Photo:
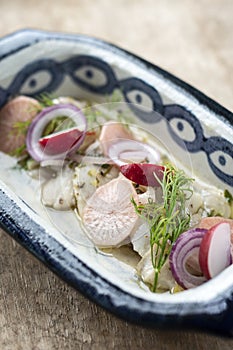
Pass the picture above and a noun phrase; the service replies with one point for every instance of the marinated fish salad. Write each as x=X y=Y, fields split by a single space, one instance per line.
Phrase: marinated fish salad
x=124 y=190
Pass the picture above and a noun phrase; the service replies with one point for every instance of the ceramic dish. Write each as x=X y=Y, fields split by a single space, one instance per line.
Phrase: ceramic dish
x=198 y=130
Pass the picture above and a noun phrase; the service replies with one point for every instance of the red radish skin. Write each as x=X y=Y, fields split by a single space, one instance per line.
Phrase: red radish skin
x=143 y=174
x=111 y=132
x=20 y=109
x=215 y=250
x=209 y=222
x=60 y=142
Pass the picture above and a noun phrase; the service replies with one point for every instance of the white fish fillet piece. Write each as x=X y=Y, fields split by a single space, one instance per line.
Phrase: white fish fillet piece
x=57 y=192
x=140 y=236
x=146 y=271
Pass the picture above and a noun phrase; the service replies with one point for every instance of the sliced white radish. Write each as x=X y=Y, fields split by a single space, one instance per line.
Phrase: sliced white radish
x=21 y=109
x=86 y=179
x=215 y=250
x=209 y=222
x=112 y=132
x=109 y=216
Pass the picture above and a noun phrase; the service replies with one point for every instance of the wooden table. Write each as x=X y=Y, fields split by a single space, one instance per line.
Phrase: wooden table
x=193 y=40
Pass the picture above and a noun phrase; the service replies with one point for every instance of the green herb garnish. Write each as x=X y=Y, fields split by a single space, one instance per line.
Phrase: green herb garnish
x=166 y=220
x=92 y=115
x=20 y=128
x=228 y=196
x=212 y=213
x=105 y=169
x=113 y=109
x=57 y=124
x=46 y=100
x=19 y=151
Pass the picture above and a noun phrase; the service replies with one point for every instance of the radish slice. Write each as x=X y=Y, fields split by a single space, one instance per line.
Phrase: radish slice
x=111 y=132
x=37 y=126
x=215 y=250
x=60 y=142
x=211 y=221
x=186 y=248
x=109 y=216
x=21 y=109
x=131 y=151
x=143 y=174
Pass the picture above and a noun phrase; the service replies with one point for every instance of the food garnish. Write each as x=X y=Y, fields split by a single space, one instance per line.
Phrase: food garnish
x=167 y=220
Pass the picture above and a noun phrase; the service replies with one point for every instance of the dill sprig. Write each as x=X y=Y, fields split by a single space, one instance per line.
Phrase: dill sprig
x=19 y=128
x=167 y=220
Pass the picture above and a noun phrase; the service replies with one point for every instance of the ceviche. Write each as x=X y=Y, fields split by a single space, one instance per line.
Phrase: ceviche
x=124 y=190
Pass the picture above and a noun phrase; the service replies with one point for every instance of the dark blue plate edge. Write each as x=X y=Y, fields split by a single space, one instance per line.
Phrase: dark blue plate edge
x=86 y=280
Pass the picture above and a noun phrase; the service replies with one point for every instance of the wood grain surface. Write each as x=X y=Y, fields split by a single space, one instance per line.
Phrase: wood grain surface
x=193 y=40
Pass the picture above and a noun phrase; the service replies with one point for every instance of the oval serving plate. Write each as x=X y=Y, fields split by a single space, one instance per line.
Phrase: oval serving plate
x=196 y=128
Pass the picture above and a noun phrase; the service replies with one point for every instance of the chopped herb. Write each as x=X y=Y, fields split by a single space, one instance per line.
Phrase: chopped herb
x=20 y=128
x=92 y=115
x=212 y=213
x=72 y=164
x=46 y=100
x=97 y=115
x=116 y=96
x=105 y=168
x=228 y=196
x=19 y=151
x=58 y=124
x=22 y=162
x=166 y=220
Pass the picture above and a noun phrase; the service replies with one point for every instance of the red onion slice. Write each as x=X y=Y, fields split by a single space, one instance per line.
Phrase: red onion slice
x=125 y=151
x=35 y=130
x=187 y=246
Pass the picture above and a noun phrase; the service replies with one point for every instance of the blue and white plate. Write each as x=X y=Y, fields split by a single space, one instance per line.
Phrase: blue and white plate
x=198 y=130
